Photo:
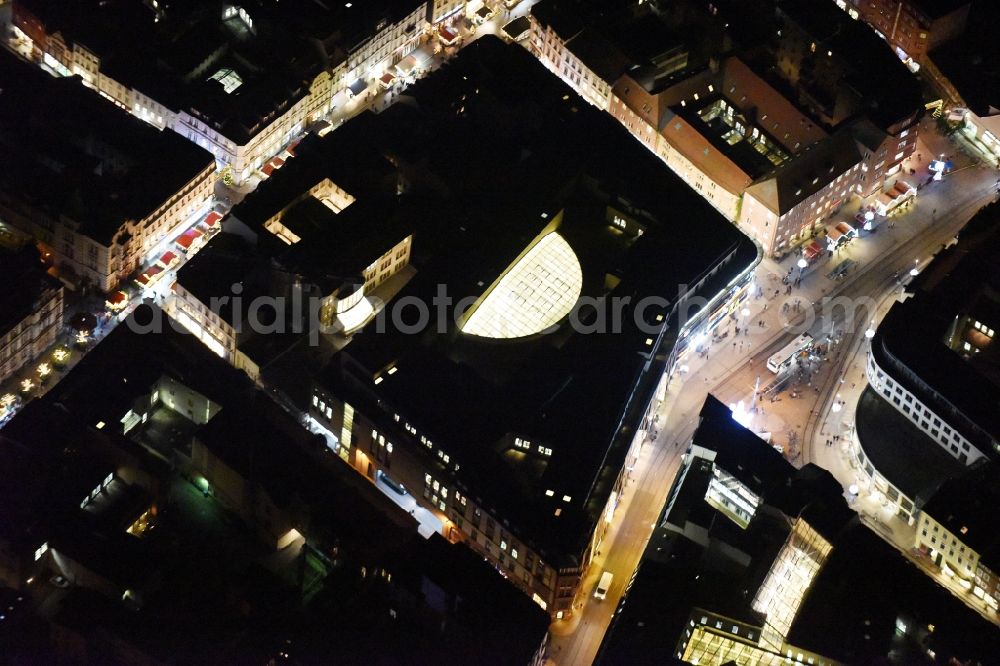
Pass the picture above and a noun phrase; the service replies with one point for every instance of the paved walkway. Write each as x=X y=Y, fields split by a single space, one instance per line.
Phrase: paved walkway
x=730 y=371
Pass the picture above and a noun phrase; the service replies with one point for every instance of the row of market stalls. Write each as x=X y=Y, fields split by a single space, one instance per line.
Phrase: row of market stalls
x=839 y=234
x=189 y=242
x=900 y=193
x=408 y=67
x=279 y=160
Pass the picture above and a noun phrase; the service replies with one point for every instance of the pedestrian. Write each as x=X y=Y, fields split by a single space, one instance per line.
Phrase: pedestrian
x=765 y=307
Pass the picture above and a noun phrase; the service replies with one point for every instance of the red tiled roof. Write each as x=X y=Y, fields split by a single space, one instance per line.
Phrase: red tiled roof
x=267 y=169
x=388 y=78
x=213 y=218
x=118 y=298
x=446 y=34
x=168 y=258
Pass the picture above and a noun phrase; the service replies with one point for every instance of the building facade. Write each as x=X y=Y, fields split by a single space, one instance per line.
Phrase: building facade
x=239 y=153
x=387 y=446
x=789 y=207
x=32 y=309
x=911 y=27
x=956 y=531
x=940 y=427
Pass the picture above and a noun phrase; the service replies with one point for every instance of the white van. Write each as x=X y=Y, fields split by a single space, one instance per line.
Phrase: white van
x=604 y=585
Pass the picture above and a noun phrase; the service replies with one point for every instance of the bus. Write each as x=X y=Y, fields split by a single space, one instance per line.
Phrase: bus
x=782 y=360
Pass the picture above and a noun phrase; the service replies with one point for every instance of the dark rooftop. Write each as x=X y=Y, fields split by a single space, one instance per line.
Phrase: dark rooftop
x=95 y=166
x=901 y=452
x=43 y=477
x=937 y=8
x=173 y=58
x=515 y=122
x=745 y=156
x=913 y=334
x=227 y=260
x=722 y=573
x=967 y=507
x=972 y=62
x=611 y=38
x=850 y=615
x=887 y=90
x=802 y=176
x=23 y=282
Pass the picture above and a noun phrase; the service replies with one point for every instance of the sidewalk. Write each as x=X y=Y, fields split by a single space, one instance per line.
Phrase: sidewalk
x=64 y=338
x=723 y=356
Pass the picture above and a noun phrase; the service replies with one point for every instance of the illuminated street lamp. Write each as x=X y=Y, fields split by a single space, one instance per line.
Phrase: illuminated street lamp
x=802 y=264
x=740 y=414
x=870 y=333
x=836 y=405
x=914 y=271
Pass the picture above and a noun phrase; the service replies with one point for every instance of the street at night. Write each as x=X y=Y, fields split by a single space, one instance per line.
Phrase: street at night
x=528 y=332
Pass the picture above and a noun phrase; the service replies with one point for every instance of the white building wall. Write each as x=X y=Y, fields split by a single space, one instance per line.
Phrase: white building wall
x=552 y=52
x=936 y=427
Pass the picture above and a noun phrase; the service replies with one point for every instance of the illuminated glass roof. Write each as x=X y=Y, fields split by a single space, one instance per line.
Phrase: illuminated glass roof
x=229 y=79
x=535 y=293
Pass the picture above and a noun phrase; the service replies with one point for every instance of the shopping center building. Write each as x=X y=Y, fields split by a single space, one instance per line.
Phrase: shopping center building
x=516 y=418
x=932 y=364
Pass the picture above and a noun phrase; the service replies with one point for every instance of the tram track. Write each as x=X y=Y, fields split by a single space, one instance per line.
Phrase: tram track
x=868 y=281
